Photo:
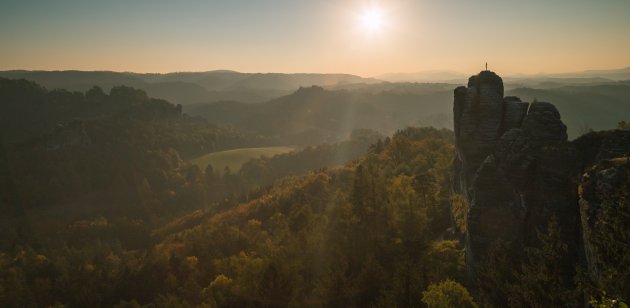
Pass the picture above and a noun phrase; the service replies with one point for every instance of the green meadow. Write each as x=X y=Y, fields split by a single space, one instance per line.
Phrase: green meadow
x=237 y=157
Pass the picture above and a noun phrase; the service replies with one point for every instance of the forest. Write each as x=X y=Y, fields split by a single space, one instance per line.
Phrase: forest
x=101 y=208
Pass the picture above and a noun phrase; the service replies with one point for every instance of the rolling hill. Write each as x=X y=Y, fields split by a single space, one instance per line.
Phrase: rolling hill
x=315 y=115
x=189 y=87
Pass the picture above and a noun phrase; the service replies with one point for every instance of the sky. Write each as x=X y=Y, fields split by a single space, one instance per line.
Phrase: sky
x=315 y=36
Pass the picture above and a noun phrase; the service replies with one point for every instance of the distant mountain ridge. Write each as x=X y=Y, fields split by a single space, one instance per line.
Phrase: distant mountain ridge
x=426 y=76
x=314 y=115
x=449 y=76
x=190 y=87
x=226 y=85
x=613 y=74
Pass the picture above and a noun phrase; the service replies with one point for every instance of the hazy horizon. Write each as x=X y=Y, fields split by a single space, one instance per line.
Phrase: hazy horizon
x=365 y=38
x=427 y=72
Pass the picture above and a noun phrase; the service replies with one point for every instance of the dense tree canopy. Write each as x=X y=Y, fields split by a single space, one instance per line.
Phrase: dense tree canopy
x=367 y=233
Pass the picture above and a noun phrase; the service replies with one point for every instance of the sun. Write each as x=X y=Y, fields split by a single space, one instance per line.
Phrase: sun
x=372 y=19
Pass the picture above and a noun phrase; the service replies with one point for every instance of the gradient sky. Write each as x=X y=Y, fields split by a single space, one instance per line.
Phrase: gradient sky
x=315 y=35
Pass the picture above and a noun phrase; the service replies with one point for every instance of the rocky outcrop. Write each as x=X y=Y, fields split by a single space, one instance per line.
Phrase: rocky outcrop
x=605 y=211
x=512 y=162
x=516 y=171
x=478 y=117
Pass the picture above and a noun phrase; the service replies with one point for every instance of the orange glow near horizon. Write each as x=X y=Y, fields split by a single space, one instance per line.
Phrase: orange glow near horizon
x=362 y=37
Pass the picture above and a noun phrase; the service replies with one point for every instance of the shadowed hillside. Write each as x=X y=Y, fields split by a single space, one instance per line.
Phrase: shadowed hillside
x=313 y=115
x=60 y=146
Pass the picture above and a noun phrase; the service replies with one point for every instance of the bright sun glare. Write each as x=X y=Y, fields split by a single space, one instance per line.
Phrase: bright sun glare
x=372 y=19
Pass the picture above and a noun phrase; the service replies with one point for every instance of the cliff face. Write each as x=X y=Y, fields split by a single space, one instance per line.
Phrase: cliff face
x=511 y=165
x=517 y=171
x=605 y=209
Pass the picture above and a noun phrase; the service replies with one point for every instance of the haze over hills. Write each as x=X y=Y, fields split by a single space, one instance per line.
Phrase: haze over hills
x=189 y=87
x=596 y=107
x=589 y=99
x=426 y=76
x=225 y=85
x=313 y=115
x=449 y=76
x=612 y=74
x=590 y=77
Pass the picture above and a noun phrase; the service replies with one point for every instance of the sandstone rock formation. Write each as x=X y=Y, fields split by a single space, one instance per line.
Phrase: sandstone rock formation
x=512 y=165
x=517 y=171
x=605 y=210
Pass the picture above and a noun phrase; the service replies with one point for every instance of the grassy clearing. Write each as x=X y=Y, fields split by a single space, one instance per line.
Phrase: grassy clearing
x=237 y=157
